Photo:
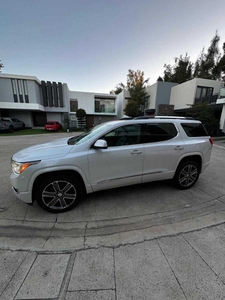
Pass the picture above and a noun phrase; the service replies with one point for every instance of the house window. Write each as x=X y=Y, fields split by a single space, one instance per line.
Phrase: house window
x=104 y=105
x=73 y=105
x=203 y=94
x=20 y=90
x=222 y=93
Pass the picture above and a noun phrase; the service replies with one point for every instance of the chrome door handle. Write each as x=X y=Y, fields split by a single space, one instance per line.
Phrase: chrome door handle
x=136 y=152
x=179 y=148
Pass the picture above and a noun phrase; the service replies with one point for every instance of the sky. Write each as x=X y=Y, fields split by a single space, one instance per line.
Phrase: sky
x=91 y=44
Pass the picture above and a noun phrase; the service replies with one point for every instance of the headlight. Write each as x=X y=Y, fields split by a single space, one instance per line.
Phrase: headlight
x=18 y=168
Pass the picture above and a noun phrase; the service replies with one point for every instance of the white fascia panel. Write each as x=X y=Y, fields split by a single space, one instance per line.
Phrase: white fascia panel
x=25 y=77
x=23 y=106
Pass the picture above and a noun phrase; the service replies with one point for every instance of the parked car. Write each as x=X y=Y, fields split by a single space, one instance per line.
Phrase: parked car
x=11 y=124
x=53 y=126
x=111 y=155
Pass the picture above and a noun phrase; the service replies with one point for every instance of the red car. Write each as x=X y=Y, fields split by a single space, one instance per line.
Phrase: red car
x=53 y=126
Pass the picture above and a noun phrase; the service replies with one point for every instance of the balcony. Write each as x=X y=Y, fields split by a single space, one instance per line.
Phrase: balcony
x=208 y=99
x=104 y=106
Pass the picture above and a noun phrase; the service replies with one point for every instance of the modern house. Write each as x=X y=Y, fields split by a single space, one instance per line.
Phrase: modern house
x=35 y=102
x=198 y=90
x=158 y=93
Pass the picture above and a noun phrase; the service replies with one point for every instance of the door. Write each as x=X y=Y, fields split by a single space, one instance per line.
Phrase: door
x=121 y=163
x=163 y=148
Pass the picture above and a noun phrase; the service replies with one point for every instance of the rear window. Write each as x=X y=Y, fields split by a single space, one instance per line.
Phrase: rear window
x=157 y=132
x=194 y=129
x=50 y=123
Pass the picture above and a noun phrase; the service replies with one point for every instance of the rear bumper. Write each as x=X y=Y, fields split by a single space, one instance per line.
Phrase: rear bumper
x=204 y=167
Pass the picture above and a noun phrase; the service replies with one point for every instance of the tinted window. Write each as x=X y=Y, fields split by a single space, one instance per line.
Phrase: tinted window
x=124 y=135
x=194 y=129
x=157 y=132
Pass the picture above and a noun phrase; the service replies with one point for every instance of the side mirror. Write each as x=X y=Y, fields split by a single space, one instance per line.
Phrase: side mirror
x=100 y=144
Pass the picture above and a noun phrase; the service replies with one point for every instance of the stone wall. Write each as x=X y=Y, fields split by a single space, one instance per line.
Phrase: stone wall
x=165 y=110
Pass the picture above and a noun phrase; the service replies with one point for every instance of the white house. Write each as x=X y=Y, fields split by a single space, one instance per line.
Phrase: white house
x=194 y=91
x=35 y=102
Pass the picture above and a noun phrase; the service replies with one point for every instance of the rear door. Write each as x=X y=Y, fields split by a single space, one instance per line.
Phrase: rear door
x=163 y=148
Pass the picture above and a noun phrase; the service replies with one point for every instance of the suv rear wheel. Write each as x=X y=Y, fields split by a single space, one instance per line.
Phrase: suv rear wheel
x=187 y=175
x=58 y=193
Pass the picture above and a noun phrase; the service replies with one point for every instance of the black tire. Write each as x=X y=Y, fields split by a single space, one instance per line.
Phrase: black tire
x=11 y=129
x=23 y=126
x=59 y=193
x=186 y=175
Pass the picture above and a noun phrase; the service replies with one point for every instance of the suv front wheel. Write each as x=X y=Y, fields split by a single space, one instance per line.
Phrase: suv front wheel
x=58 y=193
x=187 y=175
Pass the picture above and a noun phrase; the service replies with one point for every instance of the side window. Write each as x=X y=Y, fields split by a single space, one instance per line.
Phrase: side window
x=194 y=129
x=124 y=135
x=157 y=132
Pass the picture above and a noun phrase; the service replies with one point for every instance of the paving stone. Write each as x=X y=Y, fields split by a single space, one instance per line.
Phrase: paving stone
x=19 y=277
x=210 y=245
x=10 y=261
x=45 y=277
x=196 y=278
x=142 y=272
x=91 y=295
x=93 y=270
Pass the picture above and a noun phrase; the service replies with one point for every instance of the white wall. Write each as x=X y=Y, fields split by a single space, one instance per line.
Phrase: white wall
x=152 y=91
x=54 y=117
x=184 y=94
x=87 y=101
x=222 y=118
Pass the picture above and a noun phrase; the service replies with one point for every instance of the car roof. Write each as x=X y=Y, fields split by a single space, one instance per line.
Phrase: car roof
x=155 y=120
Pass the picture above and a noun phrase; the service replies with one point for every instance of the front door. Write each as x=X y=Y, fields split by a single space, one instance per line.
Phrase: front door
x=121 y=163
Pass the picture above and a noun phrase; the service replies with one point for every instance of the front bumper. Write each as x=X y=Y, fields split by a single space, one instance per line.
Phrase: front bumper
x=24 y=196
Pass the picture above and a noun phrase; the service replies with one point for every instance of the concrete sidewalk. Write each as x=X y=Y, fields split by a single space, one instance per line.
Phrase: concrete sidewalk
x=184 y=266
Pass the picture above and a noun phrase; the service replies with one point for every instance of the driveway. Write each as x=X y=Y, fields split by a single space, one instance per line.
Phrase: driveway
x=110 y=218
x=150 y=241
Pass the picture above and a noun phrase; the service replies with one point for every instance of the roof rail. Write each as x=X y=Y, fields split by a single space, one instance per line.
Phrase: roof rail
x=173 y=117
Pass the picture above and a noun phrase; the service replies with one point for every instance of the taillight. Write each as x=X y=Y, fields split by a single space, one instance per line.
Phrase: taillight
x=211 y=141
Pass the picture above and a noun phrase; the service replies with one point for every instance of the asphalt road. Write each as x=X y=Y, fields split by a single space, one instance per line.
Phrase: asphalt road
x=149 y=241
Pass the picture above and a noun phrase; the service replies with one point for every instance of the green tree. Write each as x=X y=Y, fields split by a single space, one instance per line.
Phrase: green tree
x=180 y=72
x=1 y=66
x=206 y=66
x=118 y=88
x=80 y=113
x=221 y=65
x=136 y=85
x=204 y=113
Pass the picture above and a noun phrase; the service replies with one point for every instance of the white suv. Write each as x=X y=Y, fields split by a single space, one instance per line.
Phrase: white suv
x=111 y=155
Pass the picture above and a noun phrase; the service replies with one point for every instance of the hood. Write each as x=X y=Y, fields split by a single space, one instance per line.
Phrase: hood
x=55 y=149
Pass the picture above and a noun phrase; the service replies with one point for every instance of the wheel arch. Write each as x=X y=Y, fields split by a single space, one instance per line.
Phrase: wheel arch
x=196 y=158
x=43 y=176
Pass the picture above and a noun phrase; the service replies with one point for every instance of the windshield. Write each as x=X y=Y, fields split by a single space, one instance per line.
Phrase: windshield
x=85 y=136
